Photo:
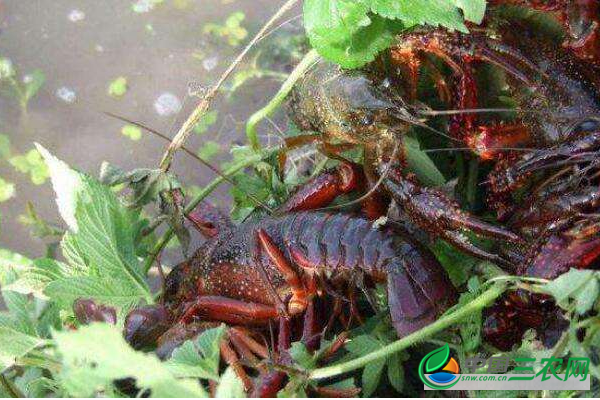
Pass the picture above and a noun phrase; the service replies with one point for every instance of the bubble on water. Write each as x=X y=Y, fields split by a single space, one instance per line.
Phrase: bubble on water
x=167 y=104
x=66 y=94
x=99 y=48
x=76 y=15
x=210 y=63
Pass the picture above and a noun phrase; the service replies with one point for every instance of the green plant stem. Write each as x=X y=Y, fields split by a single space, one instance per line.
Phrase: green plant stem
x=208 y=189
x=251 y=126
x=466 y=311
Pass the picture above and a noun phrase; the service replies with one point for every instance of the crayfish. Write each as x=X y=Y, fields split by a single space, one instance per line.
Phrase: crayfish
x=552 y=145
x=272 y=268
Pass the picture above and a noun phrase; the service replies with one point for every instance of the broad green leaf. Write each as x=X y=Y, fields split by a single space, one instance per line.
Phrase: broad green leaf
x=132 y=132
x=198 y=358
x=343 y=32
x=118 y=87
x=96 y=355
x=15 y=344
x=230 y=386
x=100 y=245
x=437 y=358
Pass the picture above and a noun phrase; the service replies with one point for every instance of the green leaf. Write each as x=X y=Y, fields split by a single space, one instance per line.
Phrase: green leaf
x=198 y=358
x=207 y=120
x=132 y=132
x=579 y=285
x=371 y=376
x=343 y=31
x=437 y=358
x=473 y=10
x=230 y=386
x=118 y=87
x=7 y=190
x=14 y=344
x=395 y=371
x=94 y=356
x=421 y=12
x=33 y=83
x=420 y=163
x=100 y=241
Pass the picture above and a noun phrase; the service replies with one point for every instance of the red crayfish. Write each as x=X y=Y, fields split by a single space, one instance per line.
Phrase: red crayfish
x=271 y=268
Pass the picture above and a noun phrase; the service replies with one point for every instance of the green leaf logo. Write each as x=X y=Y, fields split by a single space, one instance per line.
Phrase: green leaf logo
x=432 y=362
x=437 y=359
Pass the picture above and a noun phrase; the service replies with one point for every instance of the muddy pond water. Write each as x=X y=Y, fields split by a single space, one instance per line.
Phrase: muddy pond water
x=81 y=47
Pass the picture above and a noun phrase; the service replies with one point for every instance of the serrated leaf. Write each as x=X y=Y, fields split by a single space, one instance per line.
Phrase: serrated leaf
x=94 y=356
x=198 y=358
x=36 y=277
x=359 y=48
x=421 y=12
x=100 y=242
x=230 y=386
x=437 y=358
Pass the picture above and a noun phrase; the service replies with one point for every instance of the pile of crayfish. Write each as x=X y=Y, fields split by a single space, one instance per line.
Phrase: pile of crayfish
x=281 y=271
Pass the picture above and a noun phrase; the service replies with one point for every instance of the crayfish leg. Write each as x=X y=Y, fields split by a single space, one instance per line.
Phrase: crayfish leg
x=435 y=213
x=299 y=300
